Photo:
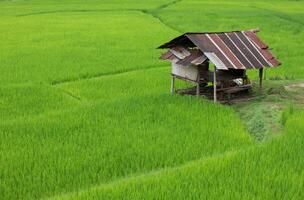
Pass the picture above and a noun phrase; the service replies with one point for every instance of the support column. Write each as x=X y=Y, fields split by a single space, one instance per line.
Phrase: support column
x=198 y=83
x=172 y=84
x=261 y=77
x=198 y=89
x=214 y=85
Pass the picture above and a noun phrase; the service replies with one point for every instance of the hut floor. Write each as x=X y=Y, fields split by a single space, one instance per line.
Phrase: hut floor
x=230 y=96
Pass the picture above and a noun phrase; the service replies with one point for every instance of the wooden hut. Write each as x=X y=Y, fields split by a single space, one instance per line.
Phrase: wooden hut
x=231 y=53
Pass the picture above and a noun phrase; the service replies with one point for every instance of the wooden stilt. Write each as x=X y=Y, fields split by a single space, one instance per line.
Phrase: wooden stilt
x=214 y=85
x=198 y=89
x=198 y=85
x=172 y=84
x=261 y=77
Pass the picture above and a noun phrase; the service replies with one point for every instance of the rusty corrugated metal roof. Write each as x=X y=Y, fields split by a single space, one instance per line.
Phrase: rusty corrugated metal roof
x=179 y=52
x=167 y=56
x=236 y=50
x=184 y=57
x=196 y=57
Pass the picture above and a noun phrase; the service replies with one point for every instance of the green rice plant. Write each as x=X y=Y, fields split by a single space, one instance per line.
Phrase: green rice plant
x=134 y=84
x=287 y=113
x=85 y=110
x=271 y=171
x=36 y=7
x=55 y=48
x=118 y=126
x=103 y=142
x=23 y=101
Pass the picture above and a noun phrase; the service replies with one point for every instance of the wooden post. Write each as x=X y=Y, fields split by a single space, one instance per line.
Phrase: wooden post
x=214 y=84
x=198 y=89
x=198 y=84
x=172 y=84
x=261 y=77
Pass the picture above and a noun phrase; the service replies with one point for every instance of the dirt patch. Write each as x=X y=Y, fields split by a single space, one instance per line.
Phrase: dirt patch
x=294 y=86
x=296 y=92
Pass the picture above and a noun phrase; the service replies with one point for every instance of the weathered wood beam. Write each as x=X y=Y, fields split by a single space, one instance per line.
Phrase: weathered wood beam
x=184 y=79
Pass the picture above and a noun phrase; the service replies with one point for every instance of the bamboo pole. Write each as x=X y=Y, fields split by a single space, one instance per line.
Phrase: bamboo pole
x=214 y=85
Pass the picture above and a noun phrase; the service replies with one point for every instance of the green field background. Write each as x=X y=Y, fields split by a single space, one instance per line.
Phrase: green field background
x=85 y=109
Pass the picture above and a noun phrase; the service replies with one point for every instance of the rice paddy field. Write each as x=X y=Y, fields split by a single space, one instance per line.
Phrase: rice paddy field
x=86 y=110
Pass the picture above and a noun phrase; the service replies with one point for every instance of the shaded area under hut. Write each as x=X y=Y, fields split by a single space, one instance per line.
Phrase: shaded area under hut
x=231 y=53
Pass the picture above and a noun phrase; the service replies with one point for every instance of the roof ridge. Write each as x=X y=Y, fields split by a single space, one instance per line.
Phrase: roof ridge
x=215 y=32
